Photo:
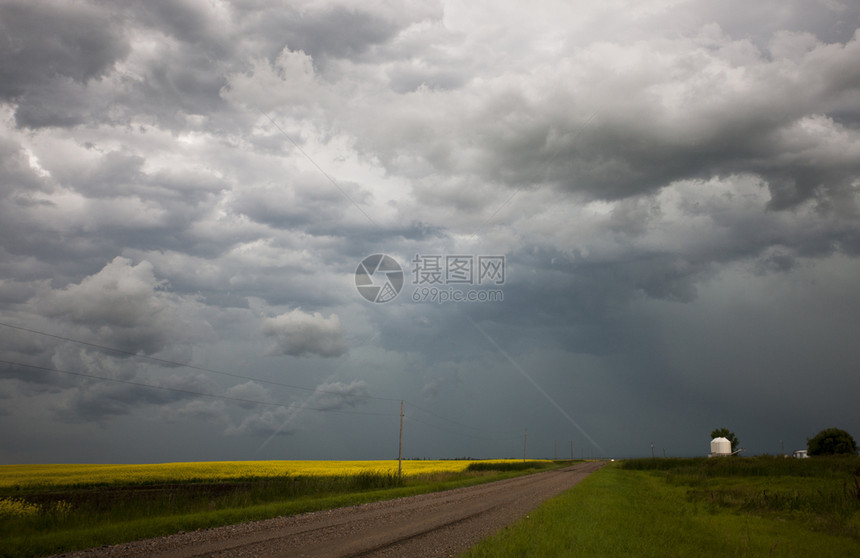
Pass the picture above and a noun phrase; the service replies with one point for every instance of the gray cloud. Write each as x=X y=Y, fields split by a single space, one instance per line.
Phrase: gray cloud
x=287 y=420
x=333 y=396
x=267 y=422
x=298 y=333
x=621 y=120
x=124 y=303
x=102 y=402
x=51 y=46
x=674 y=186
x=339 y=32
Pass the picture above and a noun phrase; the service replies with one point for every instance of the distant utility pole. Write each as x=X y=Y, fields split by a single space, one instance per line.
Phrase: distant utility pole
x=652 y=450
x=571 y=450
x=400 y=445
x=525 y=443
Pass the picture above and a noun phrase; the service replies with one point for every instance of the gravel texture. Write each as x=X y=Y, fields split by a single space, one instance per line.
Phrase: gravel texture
x=437 y=524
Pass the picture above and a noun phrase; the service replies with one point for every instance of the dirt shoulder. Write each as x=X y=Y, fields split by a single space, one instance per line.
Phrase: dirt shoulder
x=437 y=524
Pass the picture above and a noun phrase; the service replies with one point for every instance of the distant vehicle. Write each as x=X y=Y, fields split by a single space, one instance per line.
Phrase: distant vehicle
x=800 y=454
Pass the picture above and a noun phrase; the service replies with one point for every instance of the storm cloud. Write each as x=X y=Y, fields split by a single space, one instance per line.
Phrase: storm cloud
x=297 y=333
x=187 y=189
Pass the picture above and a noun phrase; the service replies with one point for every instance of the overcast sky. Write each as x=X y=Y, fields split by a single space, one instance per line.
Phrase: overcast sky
x=187 y=189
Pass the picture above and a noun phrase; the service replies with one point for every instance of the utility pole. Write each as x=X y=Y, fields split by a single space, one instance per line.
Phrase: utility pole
x=400 y=445
x=525 y=443
x=652 y=450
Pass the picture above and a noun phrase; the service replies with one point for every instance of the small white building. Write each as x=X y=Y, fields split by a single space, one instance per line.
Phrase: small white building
x=720 y=447
x=800 y=454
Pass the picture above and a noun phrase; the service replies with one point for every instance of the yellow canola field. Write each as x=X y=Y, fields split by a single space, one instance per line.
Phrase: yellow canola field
x=212 y=471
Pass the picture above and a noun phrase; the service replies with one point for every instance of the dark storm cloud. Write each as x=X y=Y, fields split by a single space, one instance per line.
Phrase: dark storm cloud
x=339 y=32
x=339 y=395
x=122 y=307
x=327 y=32
x=632 y=146
x=103 y=401
x=183 y=20
x=615 y=121
x=47 y=40
x=56 y=53
x=198 y=181
x=49 y=47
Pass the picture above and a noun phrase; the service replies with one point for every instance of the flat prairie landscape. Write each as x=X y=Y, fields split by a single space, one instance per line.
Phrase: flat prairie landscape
x=61 y=507
x=95 y=474
x=756 y=506
x=759 y=506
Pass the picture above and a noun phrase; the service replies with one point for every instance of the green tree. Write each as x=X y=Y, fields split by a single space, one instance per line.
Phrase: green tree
x=728 y=435
x=831 y=441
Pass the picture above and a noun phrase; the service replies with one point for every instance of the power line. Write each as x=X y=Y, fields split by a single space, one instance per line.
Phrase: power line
x=480 y=432
x=10 y=364
x=180 y=364
x=186 y=391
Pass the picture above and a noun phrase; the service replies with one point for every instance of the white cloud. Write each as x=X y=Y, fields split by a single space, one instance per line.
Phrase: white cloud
x=123 y=304
x=298 y=333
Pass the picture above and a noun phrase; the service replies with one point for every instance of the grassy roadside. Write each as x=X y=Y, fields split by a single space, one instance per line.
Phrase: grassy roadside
x=684 y=509
x=45 y=520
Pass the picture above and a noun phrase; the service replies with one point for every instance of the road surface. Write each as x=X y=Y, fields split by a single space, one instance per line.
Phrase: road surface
x=437 y=524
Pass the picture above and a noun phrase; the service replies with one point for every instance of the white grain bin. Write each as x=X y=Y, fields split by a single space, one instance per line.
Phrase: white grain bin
x=720 y=447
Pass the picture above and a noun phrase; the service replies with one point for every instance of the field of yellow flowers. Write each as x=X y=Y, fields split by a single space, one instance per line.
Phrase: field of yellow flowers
x=22 y=476
x=47 y=509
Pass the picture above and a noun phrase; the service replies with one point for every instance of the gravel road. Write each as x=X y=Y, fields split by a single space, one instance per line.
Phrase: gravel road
x=437 y=524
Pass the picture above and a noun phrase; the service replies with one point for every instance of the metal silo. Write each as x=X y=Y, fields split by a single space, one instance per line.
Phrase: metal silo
x=720 y=447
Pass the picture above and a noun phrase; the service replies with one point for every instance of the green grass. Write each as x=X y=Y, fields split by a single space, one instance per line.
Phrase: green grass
x=726 y=507
x=37 y=520
x=769 y=466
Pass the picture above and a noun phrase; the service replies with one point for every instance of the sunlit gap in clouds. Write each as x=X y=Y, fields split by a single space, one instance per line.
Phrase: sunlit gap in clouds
x=537 y=386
